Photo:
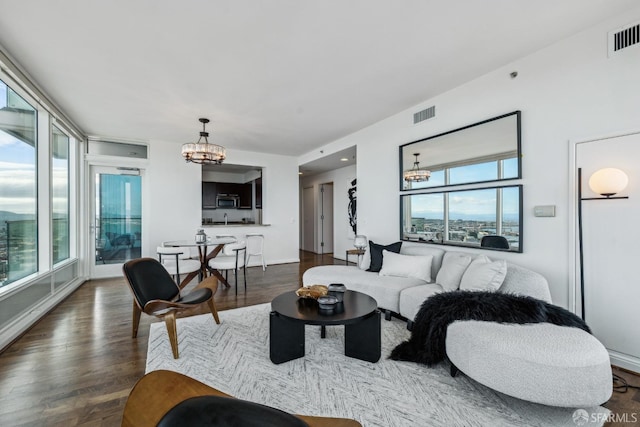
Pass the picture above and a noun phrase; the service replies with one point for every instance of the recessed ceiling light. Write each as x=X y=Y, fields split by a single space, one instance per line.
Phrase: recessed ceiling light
x=344 y=159
x=299 y=173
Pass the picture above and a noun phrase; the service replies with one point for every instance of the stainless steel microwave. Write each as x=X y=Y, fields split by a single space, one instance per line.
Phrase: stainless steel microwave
x=228 y=201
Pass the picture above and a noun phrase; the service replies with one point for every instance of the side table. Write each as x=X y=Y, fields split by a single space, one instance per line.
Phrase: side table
x=358 y=252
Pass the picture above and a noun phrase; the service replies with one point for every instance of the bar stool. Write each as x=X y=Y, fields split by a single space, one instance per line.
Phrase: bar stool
x=255 y=247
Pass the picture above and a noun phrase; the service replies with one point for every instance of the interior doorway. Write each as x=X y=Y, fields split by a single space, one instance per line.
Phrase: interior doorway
x=327 y=190
x=325 y=197
x=308 y=220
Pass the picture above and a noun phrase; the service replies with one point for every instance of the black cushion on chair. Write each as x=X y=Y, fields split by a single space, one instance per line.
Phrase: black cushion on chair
x=209 y=411
x=196 y=296
x=375 y=251
x=150 y=280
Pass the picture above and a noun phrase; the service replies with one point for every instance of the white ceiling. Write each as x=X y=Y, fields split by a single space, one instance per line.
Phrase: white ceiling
x=339 y=159
x=278 y=76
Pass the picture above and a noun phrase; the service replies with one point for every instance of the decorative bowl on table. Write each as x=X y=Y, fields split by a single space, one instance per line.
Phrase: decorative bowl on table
x=313 y=291
x=327 y=302
x=337 y=290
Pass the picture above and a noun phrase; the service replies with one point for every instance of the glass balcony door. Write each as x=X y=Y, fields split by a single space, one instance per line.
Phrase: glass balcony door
x=116 y=219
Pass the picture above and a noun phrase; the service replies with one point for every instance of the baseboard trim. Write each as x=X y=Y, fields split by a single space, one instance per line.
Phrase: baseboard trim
x=625 y=361
x=274 y=261
x=14 y=330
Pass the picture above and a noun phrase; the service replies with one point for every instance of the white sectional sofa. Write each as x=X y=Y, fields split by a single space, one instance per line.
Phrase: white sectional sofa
x=543 y=363
x=404 y=295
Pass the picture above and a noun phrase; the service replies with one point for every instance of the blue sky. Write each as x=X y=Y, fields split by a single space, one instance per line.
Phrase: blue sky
x=17 y=170
x=18 y=173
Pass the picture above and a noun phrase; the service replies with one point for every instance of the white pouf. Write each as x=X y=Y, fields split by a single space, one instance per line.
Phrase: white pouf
x=539 y=362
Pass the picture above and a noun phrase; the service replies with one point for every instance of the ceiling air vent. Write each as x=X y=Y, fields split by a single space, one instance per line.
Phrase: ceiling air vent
x=623 y=38
x=425 y=114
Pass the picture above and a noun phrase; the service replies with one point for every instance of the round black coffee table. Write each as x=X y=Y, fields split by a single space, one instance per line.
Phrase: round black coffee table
x=358 y=313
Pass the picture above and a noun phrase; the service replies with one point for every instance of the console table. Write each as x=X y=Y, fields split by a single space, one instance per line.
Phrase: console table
x=358 y=252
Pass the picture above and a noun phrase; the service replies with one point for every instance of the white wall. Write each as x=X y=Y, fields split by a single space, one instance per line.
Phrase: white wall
x=610 y=236
x=341 y=178
x=568 y=91
x=174 y=192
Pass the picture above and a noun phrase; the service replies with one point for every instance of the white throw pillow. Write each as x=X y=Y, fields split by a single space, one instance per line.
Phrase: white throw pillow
x=454 y=264
x=415 y=266
x=365 y=262
x=484 y=274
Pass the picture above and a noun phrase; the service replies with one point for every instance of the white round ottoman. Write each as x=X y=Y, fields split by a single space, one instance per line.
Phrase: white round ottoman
x=539 y=362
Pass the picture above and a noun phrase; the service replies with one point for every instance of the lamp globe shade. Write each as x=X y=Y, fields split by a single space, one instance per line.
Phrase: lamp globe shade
x=608 y=181
x=360 y=241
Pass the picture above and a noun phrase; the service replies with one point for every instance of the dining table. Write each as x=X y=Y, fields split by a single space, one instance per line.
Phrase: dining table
x=204 y=256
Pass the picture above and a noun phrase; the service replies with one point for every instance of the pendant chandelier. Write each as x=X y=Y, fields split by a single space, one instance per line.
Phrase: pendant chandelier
x=416 y=174
x=203 y=152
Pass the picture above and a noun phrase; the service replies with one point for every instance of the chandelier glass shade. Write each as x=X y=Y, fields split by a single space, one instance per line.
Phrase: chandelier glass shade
x=416 y=174
x=202 y=152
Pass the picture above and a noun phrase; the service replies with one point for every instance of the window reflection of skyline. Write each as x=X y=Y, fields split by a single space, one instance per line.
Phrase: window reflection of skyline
x=478 y=172
x=466 y=204
x=472 y=214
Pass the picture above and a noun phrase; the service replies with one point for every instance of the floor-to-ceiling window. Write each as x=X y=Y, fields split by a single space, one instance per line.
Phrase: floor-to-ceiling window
x=18 y=186
x=39 y=190
x=59 y=195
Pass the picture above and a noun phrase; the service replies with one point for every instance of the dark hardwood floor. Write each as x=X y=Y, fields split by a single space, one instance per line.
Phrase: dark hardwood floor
x=77 y=365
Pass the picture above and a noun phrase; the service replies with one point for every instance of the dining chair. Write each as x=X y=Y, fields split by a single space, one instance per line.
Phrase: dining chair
x=495 y=242
x=233 y=257
x=156 y=294
x=177 y=261
x=255 y=247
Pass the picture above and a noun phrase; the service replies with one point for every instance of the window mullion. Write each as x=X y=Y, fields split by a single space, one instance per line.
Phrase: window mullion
x=44 y=191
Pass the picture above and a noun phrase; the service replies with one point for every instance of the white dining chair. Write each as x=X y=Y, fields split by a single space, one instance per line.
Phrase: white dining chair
x=255 y=247
x=177 y=261
x=233 y=257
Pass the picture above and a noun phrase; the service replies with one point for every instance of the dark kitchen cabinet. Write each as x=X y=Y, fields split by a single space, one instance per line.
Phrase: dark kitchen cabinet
x=226 y=188
x=209 y=193
x=259 y=193
x=210 y=190
x=244 y=191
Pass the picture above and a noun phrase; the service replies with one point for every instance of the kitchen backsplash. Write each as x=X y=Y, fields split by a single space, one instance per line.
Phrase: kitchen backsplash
x=210 y=216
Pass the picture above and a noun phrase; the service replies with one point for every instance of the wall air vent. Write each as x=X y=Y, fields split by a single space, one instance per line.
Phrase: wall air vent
x=623 y=38
x=425 y=114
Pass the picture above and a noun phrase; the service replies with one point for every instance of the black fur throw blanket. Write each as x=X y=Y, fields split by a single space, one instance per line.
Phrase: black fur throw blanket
x=429 y=332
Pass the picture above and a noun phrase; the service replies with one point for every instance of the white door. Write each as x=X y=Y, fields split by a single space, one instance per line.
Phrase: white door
x=326 y=219
x=610 y=240
x=308 y=215
x=116 y=219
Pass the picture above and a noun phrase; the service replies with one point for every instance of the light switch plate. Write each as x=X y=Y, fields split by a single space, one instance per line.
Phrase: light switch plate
x=544 y=211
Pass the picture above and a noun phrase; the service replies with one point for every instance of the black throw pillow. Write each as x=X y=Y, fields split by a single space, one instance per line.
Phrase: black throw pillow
x=375 y=251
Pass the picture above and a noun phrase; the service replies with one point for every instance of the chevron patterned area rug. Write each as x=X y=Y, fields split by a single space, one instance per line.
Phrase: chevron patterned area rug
x=234 y=358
